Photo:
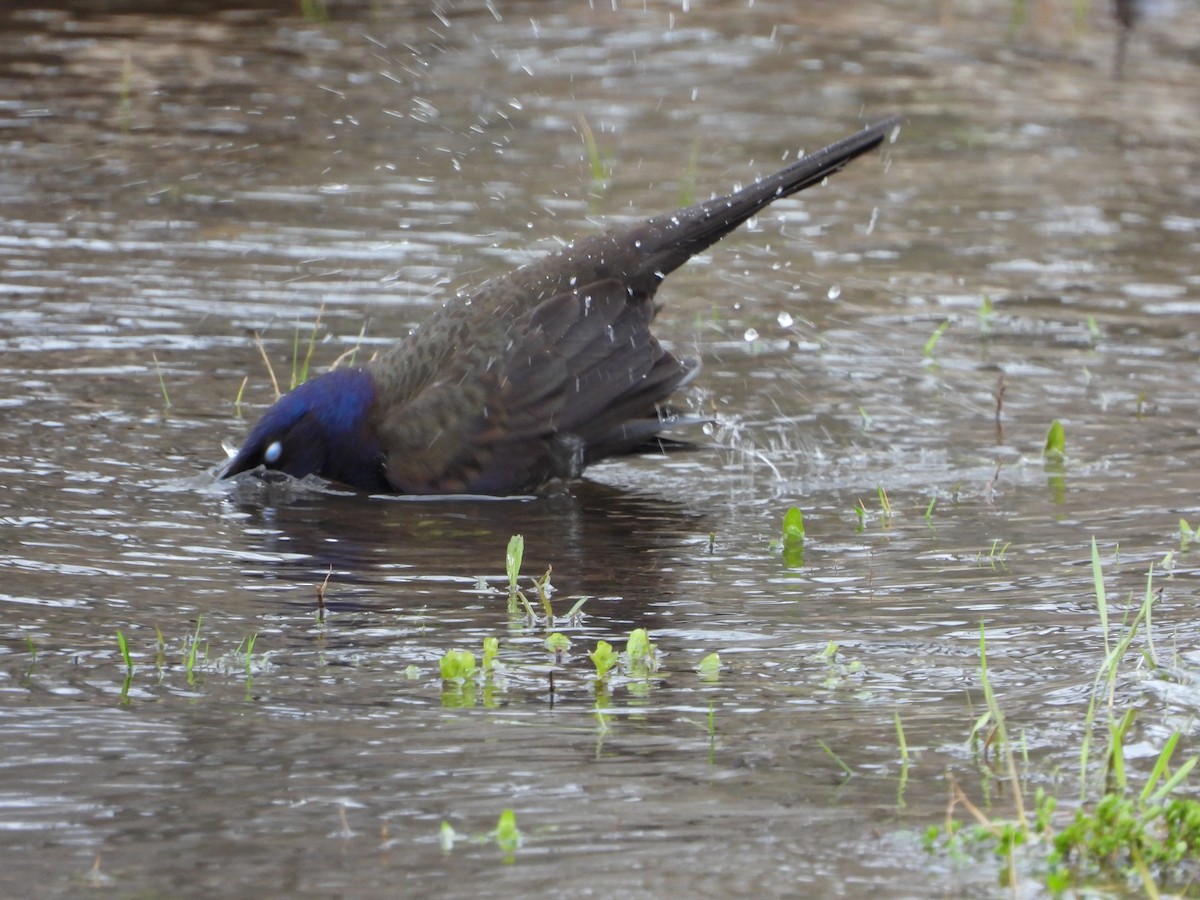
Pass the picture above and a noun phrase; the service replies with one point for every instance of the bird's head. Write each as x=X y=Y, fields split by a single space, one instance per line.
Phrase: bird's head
x=320 y=428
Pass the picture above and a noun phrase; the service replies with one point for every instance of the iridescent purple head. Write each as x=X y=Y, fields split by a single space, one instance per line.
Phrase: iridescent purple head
x=323 y=427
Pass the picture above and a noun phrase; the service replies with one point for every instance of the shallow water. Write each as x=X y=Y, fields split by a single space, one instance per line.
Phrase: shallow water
x=174 y=185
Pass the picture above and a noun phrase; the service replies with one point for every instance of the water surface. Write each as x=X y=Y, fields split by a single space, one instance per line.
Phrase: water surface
x=175 y=185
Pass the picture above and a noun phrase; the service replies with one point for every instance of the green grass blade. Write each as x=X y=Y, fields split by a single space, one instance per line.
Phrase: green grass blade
x=1161 y=765
x=934 y=338
x=1101 y=599
x=837 y=759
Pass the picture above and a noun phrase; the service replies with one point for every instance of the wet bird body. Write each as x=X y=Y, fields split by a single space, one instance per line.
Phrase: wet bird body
x=532 y=376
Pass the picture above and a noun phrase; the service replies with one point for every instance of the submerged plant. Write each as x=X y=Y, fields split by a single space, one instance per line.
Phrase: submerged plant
x=710 y=666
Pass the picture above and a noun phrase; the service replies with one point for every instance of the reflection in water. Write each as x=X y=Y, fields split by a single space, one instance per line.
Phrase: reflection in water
x=601 y=542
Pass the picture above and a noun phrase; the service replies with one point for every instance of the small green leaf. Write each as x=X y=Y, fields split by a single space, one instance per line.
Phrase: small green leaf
x=639 y=646
x=457 y=665
x=412 y=673
x=860 y=514
x=710 y=666
x=123 y=645
x=828 y=654
x=508 y=836
x=576 y=608
x=603 y=657
x=491 y=647
x=512 y=559
x=639 y=653
x=793 y=525
x=1056 y=441
x=557 y=642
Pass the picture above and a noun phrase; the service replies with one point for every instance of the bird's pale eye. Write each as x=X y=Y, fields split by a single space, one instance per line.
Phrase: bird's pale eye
x=273 y=452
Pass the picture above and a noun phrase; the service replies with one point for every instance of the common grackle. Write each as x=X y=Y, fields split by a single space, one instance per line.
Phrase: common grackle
x=529 y=378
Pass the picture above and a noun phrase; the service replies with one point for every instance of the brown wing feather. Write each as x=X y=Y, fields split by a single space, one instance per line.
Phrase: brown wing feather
x=572 y=370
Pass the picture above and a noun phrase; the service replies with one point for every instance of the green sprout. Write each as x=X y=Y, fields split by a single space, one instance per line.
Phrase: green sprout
x=162 y=384
x=123 y=645
x=491 y=648
x=1187 y=534
x=457 y=665
x=557 y=643
x=860 y=515
x=512 y=560
x=193 y=648
x=508 y=836
x=934 y=338
x=601 y=166
x=792 y=539
x=903 y=761
x=793 y=525
x=1056 y=441
x=640 y=653
x=604 y=658
x=300 y=369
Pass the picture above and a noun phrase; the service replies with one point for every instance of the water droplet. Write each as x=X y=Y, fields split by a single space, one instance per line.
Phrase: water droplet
x=751 y=334
x=835 y=291
x=785 y=320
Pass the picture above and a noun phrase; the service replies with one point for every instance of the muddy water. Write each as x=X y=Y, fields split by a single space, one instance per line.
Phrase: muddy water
x=173 y=185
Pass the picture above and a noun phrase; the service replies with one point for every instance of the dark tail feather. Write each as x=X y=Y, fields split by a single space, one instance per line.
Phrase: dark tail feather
x=689 y=231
